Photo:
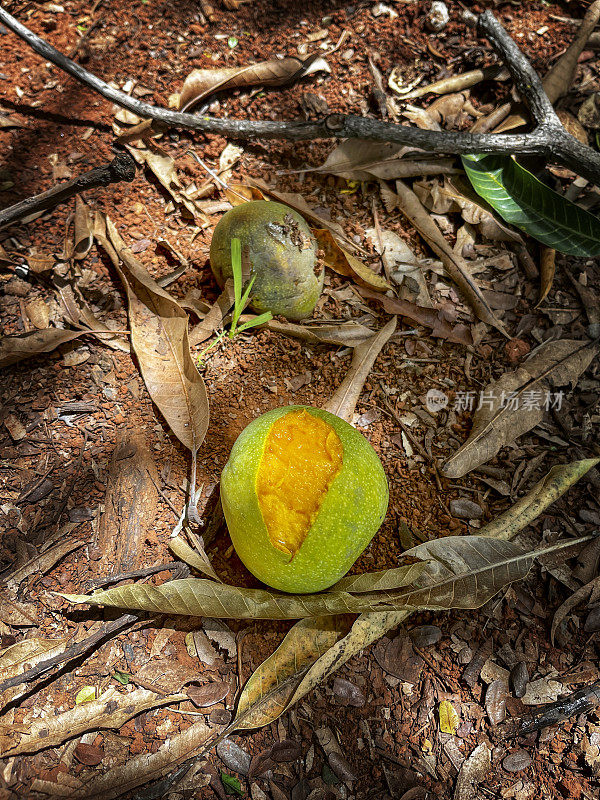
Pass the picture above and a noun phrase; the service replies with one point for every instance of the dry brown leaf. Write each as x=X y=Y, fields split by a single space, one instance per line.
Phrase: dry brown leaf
x=458 y=270
x=42 y=563
x=195 y=558
x=267 y=692
x=456 y=83
x=110 y=711
x=27 y=345
x=346 y=334
x=429 y=317
x=506 y=415
x=461 y=572
x=560 y=478
x=547 y=270
x=159 y=338
x=163 y=166
x=343 y=262
x=215 y=316
x=82 y=234
x=201 y=83
x=145 y=767
x=363 y=160
x=473 y=771
x=343 y=402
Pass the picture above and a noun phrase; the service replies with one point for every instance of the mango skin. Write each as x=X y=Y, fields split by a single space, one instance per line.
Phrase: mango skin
x=349 y=517
x=282 y=253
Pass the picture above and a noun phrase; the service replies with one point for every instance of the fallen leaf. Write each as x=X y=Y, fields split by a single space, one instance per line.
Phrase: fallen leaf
x=343 y=401
x=110 y=711
x=85 y=695
x=208 y=694
x=201 y=83
x=572 y=602
x=547 y=270
x=363 y=160
x=159 y=337
x=163 y=166
x=27 y=345
x=473 y=771
x=449 y=719
x=461 y=572
x=268 y=690
x=88 y=754
x=343 y=262
x=515 y=402
x=560 y=478
x=215 y=316
x=195 y=558
x=431 y=318
x=346 y=334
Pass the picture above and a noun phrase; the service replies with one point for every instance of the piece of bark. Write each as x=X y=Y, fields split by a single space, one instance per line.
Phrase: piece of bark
x=130 y=506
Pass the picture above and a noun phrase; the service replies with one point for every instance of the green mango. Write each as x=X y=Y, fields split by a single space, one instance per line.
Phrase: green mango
x=323 y=457
x=280 y=252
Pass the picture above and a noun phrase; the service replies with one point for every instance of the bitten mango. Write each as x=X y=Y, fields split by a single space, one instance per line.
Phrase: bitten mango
x=303 y=494
x=280 y=252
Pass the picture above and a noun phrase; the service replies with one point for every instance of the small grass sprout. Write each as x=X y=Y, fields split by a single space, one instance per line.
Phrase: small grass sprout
x=241 y=297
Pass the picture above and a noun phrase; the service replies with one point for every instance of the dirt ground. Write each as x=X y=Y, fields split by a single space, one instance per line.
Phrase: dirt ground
x=54 y=469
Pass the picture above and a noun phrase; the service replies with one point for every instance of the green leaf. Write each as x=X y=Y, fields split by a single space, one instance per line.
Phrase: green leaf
x=231 y=785
x=122 y=677
x=524 y=201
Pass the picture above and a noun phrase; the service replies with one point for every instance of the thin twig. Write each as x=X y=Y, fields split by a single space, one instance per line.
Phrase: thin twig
x=176 y=567
x=121 y=168
x=73 y=651
x=548 y=139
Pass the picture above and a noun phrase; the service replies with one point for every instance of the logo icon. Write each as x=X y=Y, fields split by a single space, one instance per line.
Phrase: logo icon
x=436 y=400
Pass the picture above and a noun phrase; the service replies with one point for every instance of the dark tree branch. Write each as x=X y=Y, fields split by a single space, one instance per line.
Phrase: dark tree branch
x=548 y=139
x=525 y=77
x=121 y=168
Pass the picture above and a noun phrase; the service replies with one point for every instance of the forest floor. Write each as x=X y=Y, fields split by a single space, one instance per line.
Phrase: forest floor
x=64 y=412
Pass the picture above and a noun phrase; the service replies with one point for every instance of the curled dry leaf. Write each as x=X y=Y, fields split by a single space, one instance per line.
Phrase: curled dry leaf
x=343 y=401
x=346 y=334
x=457 y=269
x=342 y=261
x=267 y=692
x=363 y=160
x=215 y=316
x=208 y=693
x=201 y=83
x=159 y=337
x=146 y=768
x=457 y=83
x=164 y=168
x=590 y=590
x=516 y=401
x=429 y=317
x=110 y=711
x=195 y=558
x=27 y=345
x=550 y=488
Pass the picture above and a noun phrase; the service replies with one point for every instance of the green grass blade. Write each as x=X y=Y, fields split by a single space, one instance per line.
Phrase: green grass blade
x=525 y=202
x=236 y=267
x=251 y=323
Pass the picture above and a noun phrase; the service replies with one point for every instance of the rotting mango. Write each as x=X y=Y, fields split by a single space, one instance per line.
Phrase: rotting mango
x=280 y=252
x=303 y=494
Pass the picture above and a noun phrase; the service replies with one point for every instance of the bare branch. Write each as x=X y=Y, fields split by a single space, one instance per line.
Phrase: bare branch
x=548 y=139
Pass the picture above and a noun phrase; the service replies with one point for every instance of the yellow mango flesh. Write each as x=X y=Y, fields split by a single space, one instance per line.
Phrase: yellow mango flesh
x=303 y=494
x=302 y=456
